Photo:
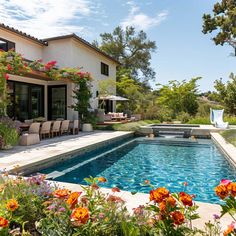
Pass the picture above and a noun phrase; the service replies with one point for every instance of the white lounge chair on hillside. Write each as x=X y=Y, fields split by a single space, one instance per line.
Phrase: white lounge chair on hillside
x=216 y=117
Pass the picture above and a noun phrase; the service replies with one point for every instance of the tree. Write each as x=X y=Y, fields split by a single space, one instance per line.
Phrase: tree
x=179 y=96
x=129 y=88
x=82 y=95
x=227 y=93
x=223 y=22
x=132 y=49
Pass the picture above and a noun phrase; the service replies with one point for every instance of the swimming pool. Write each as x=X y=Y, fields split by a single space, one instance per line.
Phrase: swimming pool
x=165 y=162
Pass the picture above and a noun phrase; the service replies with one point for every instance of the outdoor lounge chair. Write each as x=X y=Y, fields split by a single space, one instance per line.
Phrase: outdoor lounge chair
x=216 y=118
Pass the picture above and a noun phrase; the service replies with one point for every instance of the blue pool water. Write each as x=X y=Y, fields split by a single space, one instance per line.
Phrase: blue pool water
x=166 y=163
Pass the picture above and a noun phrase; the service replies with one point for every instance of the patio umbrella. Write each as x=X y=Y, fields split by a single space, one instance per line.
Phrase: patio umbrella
x=114 y=98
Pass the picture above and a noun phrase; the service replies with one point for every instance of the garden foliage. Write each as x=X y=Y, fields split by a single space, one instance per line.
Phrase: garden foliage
x=34 y=206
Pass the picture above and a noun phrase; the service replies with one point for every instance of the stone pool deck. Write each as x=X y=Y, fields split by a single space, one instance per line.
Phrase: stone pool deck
x=29 y=158
x=228 y=149
x=205 y=210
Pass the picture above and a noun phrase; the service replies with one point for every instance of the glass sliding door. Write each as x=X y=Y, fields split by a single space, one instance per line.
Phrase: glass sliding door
x=27 y=100
x=57 y=103
x=22 y=111
x=37 y=101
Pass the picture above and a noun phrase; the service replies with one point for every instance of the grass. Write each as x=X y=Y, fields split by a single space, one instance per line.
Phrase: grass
x=132 y=126
x=230 y=136
x=206 y=120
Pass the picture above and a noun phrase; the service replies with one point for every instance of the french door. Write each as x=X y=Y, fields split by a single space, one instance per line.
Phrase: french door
x=57 y=102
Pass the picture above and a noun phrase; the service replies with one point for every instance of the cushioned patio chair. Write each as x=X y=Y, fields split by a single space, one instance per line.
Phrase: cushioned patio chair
x=34 y=128
x=65 y=127
x=216 y=118
x=45 y=129
x=74 y=127
x=32 y=137
x=56 y=128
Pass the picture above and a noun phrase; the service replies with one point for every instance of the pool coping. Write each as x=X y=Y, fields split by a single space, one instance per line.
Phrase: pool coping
x=228 y=149
x=31 y=166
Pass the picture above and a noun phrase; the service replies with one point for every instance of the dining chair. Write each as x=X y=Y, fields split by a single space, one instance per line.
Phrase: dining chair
x=64 y=127
x=34 y=128
x=56 y=128
x=45 y=129
x=74 y=127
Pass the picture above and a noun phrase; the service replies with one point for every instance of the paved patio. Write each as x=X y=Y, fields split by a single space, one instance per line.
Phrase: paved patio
x=28 y=157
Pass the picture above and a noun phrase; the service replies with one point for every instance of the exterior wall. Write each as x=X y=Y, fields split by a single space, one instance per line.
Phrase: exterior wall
x=72 y=53
x=29 y=49
x=68 y=53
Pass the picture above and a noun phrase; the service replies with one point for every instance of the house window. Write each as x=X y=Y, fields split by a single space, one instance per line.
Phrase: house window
x=6 y=45
x=104 y=69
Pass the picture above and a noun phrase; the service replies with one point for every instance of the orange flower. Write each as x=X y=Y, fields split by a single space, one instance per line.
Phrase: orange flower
x=229 y=230
x=102 y=179
x=159 y=194
x=3 y=222
x=80 y=215
x=61 y=193
x=73 y=199
x=162 y=206
x=12 y=205
x=222 y=191
x=171 y=201
x=232 y=189
x=177 y=217
x=186 y=199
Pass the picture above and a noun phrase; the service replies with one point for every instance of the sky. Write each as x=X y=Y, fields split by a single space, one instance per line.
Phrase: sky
x=183 y=51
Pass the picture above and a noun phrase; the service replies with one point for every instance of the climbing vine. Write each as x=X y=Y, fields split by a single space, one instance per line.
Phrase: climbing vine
x=12 y=62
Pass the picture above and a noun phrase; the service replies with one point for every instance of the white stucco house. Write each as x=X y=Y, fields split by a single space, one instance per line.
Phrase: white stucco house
x=32 y=96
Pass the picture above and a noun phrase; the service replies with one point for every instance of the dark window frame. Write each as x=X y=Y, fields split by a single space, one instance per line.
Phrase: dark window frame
x=50 y=87
x=9 y=44
x=30 y=85
x=104 y=69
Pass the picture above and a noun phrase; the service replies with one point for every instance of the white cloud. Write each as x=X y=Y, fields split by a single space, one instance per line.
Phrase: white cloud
x=140 y=20
x=46 y=18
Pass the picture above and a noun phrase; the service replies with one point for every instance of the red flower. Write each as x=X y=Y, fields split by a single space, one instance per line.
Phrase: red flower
x=9 y=67
x=50 y=64
x=115 y=189
x=3 y=222
x=6 y=76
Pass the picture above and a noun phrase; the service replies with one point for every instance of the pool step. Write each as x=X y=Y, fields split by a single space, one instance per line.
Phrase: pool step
x=174 y=143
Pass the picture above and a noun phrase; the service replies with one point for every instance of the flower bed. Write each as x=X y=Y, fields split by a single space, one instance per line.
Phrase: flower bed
x=34 y=206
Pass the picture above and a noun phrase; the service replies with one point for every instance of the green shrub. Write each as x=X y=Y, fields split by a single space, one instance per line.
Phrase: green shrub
x=183 y=117
x=10 y=135
x=200 y=120
x=230 y=119
x=133 y=126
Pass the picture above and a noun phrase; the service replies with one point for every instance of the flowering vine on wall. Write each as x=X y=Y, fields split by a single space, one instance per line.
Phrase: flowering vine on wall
x=12 y=62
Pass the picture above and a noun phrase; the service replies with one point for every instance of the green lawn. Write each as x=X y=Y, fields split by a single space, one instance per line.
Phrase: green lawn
x=131 y=126
x=230 y=136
